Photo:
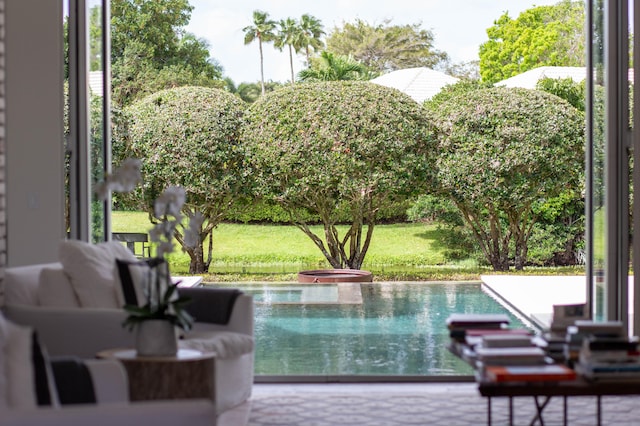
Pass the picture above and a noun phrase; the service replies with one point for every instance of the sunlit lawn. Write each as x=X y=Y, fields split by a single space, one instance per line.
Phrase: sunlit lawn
x=410 y=246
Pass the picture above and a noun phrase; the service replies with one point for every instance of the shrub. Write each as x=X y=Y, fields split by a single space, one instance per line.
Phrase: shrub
x=322 y=147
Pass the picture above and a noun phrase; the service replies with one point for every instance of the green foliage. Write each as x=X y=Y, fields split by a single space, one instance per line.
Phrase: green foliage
x=558 y=237
x=385 y=47
x=319 y=146
x=566 y=88
x=150 y=50
x=189 y=137
x=311 y=31
x=452 y=90
x=501 y=151
x=289 y=34
x=543 y=35
x=434 y=208
x=250 y=92
x=330 y=67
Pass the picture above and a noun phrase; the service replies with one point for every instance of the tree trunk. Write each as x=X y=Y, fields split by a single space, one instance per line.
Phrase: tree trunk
x=291 y=65
x=197 y=264
x=261 y=66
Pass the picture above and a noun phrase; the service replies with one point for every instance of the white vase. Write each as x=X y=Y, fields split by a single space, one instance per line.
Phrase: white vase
x=156 y=338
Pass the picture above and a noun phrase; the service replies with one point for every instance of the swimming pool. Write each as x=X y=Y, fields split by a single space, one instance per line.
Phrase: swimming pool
x=393 y=329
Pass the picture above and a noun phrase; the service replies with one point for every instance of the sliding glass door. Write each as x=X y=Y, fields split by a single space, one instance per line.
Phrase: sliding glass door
x=89 y=138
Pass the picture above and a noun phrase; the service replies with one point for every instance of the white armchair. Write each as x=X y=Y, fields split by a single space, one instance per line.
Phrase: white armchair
x=37 y=390
x=42 y=297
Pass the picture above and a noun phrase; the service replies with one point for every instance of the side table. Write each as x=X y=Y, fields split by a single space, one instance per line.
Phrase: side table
x=188 y=374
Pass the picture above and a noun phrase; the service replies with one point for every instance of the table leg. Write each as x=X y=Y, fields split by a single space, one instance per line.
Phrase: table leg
x=539 y=409
x=565 y=412
x=489 y=411
x=510 y=411
x=599 y=411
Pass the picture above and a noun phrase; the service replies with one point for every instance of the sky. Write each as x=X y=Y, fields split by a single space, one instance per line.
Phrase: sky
x=459 y=27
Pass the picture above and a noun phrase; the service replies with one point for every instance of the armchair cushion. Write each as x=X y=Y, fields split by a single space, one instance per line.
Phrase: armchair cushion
x=92 y=271
x=55 y=290
x=224 y=344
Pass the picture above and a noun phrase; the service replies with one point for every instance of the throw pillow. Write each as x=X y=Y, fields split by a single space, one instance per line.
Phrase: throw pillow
x=92 y=272
x=28 y=373
x=135 y=276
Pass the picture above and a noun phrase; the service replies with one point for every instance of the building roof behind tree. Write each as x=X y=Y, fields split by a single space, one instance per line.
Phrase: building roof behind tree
x=420 y=83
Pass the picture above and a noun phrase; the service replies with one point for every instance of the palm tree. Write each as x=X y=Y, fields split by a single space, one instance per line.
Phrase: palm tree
x=261 y=30
x=289 y=35
x=311 y=28
x=330 y=67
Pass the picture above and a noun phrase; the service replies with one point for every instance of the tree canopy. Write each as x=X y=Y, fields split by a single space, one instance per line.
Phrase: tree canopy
x=544 y=35
x=329 y=147
x=330 y=67
x=150 y=49
x=503 y=152
x=386 y=47
x=263 y=30
x=189 y=137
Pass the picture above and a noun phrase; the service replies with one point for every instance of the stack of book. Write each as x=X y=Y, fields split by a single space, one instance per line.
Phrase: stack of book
x=528 y=373
x=522 y=363
x=583 y=329
x=606 y=353
x=462 y=325
x=555 y=339
x=526 y=355
x=459 y=324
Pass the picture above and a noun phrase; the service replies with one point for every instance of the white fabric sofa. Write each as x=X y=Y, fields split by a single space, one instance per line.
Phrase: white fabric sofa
x=41 y=296
x=38 y=390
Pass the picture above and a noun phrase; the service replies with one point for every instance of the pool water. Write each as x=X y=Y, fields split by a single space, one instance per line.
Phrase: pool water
x=399 y=328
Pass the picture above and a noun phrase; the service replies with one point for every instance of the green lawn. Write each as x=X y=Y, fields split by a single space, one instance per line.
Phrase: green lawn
x=398 y=251
x=408 y=251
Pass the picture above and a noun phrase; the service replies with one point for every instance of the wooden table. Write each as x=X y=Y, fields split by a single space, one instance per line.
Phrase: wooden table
x=188 y=374
x=543 y=391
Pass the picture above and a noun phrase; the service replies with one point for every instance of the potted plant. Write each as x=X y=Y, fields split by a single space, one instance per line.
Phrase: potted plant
x=158 y=310
x=156 y=321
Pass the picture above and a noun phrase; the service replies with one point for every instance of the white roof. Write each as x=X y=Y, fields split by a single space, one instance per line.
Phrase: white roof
x=419 y=83
x=95 y=83
x=529 y=79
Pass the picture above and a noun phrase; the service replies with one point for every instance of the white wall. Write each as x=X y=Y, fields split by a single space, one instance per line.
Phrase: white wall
x=34 y=130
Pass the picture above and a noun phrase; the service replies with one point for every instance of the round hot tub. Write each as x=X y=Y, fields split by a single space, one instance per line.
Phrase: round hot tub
x=335 y=276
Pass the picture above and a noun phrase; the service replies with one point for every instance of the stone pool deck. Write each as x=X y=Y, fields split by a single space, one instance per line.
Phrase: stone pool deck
x=534 y=296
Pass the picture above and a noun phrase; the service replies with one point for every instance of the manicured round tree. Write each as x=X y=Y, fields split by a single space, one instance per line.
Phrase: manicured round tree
x=502 y=153
x=320 y=147
x=189 y=137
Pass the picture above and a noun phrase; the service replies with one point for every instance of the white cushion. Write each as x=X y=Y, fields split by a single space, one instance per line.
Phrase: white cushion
x=55 y=289
x=21 y=284
x=92 y=270
x=18 y=367
x=224 y=344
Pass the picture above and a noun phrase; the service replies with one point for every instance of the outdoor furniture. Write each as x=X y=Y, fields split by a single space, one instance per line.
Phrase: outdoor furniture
x=133 y=241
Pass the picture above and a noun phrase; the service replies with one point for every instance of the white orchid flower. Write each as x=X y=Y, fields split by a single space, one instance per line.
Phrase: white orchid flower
x=170 y=202
x=124 y=179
